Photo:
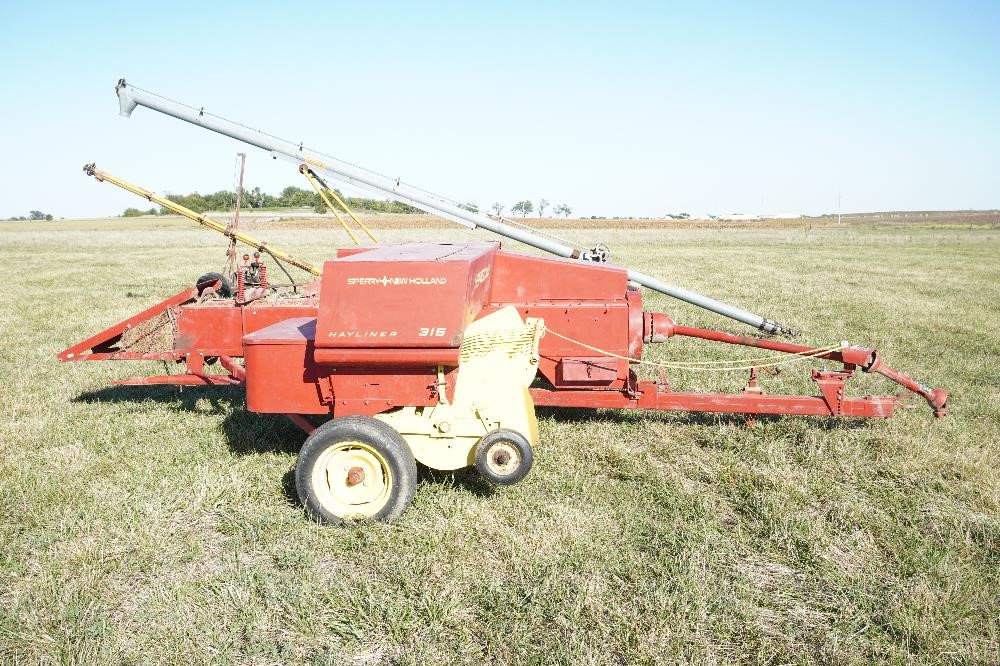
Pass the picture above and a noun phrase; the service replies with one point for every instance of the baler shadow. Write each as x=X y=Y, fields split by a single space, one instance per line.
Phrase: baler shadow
x=246 y=433
x=288 y=488
x=625 y=416
x=467 y=478
x=185 y=397
x=250 y=434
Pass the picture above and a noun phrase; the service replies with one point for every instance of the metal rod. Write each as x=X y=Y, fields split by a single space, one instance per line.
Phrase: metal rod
x=92 y=170
x=231 y=254
x=329 y=204
x=329 y=190
x=129 y=97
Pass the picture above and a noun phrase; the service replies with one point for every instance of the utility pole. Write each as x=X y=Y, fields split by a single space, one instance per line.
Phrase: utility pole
x=231 y=253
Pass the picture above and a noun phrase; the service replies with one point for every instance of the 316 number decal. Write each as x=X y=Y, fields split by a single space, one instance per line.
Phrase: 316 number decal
x=431 y=332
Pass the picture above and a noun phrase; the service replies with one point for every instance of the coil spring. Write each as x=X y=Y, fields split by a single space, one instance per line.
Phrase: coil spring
x=240 y=284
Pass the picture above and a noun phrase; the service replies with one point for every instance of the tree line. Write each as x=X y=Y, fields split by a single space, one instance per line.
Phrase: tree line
x=296 y=197
x=255 y=198
x=33 y=215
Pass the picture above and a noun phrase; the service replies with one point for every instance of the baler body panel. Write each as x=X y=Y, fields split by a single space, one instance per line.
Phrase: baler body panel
x=216 y=328
x=404 y=296
x=280 y=374
x=585 y=301
x=522 y=278
x=602 y=324
x=389 y=316
x=283 y=376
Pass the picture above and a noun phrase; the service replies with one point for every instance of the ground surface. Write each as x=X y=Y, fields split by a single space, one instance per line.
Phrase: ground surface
x=159 y=525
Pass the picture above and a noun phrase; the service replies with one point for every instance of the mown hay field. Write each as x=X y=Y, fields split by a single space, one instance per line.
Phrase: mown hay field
x=159 y=525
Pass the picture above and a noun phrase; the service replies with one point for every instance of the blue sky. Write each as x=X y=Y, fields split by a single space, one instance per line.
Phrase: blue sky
x=614 y=108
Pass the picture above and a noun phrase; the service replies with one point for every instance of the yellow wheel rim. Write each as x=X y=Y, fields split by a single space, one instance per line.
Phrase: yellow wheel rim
x=352 y=480
x=503 y=459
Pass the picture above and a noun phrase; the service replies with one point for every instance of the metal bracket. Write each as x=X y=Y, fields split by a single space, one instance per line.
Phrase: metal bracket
x=831 y=386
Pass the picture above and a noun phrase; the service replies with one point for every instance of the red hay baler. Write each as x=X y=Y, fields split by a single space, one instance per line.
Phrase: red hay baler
x=439 y=353
x=380 y=349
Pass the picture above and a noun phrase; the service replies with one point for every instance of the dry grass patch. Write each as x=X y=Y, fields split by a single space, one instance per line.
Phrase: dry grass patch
x=160 y=525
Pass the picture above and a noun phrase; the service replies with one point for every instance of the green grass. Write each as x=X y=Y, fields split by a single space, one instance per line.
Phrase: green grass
x=159 y=525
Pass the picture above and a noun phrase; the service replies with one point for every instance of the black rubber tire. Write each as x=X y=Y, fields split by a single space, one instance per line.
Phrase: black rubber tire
x=225 y=290
x=388 y=444
x=487 y=447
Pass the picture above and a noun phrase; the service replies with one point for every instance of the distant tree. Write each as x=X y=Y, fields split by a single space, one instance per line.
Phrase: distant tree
x=256 y=199
x=296 y=197
x=471 y=207
x=194 y=201
x=562 y=209
x=252 y=198
x=523 y=208
x=132 y=212
x=542 y=205
x=36 y=215
x=48 y=217
x=497 y=208
x=221 y=200
x=380 y=205
x=320 y=208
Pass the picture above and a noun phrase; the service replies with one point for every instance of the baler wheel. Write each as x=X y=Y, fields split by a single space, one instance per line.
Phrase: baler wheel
x=355 y=468
x=225 y=290
x=504 y=457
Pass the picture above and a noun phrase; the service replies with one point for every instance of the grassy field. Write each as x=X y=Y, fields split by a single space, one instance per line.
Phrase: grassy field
x=160 y=525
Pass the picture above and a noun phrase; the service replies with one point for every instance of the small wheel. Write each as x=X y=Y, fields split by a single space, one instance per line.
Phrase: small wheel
x=224 y=289
x=355 y=468
x=504 y=457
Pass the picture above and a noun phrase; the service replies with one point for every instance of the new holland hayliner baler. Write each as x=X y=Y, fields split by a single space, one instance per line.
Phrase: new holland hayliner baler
x=439 y=352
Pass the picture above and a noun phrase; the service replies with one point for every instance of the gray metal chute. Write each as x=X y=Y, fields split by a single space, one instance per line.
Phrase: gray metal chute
x=130 y=96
